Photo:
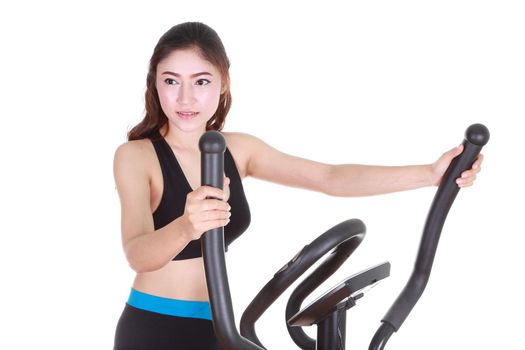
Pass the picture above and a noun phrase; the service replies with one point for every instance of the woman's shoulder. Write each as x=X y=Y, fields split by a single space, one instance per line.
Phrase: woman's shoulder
x=243 y=143
x=241 y=139
x=245 y=148
x=135 y=149
x=240 y=146
x=136 y=155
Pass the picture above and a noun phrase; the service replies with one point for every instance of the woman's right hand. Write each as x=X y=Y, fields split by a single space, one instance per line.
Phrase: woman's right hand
x=204 y=212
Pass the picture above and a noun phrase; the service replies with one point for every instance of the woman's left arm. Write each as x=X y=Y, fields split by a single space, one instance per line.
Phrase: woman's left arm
x=346 y=180
x=366 y=180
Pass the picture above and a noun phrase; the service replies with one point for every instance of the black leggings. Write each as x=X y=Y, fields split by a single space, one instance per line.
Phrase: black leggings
x=139 y=329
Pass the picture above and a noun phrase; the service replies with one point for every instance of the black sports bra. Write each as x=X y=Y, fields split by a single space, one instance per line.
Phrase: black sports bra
x=176 y=188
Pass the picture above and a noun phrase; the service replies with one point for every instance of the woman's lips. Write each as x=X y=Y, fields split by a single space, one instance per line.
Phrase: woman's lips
x=187 y=115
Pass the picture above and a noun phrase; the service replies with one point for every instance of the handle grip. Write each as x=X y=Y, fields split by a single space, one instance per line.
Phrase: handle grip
x=476 y=136
x=212 y=146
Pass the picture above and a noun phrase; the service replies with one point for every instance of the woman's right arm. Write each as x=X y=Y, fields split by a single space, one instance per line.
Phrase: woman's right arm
x=147 y=249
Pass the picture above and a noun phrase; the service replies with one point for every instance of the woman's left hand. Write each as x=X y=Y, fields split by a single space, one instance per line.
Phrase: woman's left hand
x=441 y=165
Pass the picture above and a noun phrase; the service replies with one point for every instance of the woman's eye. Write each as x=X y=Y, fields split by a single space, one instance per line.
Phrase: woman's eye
x=170 y=81
x=203 y=82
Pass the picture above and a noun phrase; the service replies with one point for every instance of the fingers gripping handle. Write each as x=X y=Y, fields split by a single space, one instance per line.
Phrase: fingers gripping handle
x=212 y=147
x=476 y=136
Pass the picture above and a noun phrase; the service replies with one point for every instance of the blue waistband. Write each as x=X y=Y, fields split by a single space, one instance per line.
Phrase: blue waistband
x=172 y=307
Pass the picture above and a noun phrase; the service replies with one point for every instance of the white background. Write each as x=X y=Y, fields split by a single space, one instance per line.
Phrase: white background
x=376 y=82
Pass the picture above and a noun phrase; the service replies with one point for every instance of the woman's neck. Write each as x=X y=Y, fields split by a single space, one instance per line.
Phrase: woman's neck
x=184 y=140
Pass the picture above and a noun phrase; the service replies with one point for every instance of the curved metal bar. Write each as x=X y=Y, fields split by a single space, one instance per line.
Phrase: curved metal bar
x=476 y=137
x=345 y=237
x=212 y=146
x=309 y=284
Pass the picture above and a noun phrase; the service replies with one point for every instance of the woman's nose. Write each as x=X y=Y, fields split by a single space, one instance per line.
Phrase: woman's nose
x=186 y=95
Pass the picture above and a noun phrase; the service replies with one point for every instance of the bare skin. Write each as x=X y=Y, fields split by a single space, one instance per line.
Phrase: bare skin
x=195 y=87
x=182 y=279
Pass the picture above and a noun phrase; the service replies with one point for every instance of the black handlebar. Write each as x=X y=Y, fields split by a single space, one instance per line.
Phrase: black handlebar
x=212 y=147
x=476 y=136
x=344 y=237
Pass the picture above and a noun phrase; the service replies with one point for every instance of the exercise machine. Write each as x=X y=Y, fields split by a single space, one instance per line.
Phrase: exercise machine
x=328 y=311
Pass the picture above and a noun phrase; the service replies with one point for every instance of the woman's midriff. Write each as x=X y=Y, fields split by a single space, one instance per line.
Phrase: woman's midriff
x=179 y=279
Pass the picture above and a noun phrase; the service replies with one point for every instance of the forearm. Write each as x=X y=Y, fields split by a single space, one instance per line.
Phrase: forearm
x=153 y=250
x=352 y=180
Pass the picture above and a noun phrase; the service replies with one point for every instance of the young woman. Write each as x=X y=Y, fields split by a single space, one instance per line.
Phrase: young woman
x=165 y=210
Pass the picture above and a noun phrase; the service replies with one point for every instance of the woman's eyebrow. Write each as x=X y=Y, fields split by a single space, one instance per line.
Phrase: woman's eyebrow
x=191 y=76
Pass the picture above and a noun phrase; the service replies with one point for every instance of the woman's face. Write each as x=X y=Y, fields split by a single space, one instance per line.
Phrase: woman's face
x=189 y=89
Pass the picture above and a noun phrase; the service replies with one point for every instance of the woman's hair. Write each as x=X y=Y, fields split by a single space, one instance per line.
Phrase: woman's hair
x=189 y=35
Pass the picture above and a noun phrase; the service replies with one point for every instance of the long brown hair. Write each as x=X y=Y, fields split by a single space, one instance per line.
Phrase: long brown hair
x=184 y=36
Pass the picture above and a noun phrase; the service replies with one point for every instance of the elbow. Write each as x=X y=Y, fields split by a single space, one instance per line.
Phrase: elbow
x=141 y=264
x=137 y=266
x=340 y=181
x=142 y=267
x=328 y=185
